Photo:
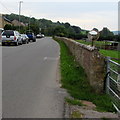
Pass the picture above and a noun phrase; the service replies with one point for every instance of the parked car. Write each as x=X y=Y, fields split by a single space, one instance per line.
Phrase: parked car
x=1 y=30
x=31 y=36
x=39 y=35
x=25 y=39
x=11 y=36
x=43 y=35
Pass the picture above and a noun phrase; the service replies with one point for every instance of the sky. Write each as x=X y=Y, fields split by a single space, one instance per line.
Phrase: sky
x=86 y=14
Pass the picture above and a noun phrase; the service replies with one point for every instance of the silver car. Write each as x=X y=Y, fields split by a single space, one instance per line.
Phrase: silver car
x=11 y=36
x=25 y=39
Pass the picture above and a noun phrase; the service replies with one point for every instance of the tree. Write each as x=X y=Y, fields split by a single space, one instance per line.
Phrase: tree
x=106 y=34
x=34 y=28
x=8 y=27
x=60 y=31
x=76 y=29
x=67 y=25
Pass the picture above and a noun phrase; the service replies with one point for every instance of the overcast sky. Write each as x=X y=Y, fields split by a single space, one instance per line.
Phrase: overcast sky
x=87 y=14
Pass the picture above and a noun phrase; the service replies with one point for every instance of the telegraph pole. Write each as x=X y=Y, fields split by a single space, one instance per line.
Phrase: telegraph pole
x=29 y=22
x=19 y=13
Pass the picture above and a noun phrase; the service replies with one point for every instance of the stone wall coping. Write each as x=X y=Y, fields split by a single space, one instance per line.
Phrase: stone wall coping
x=88 y=47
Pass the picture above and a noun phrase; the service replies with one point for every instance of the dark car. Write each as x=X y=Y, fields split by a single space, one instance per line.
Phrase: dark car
x=31 y=36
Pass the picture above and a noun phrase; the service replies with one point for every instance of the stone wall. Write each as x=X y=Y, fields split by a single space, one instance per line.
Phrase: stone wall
x=91 y=60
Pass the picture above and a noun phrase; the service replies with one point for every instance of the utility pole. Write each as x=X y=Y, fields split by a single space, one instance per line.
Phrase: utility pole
x=19 y=13
x=29 y=22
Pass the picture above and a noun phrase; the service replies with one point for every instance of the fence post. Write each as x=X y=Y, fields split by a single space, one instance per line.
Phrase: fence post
x=108 y=80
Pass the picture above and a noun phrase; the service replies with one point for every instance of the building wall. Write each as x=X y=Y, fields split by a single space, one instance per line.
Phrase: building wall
x=3 y=22
x=91 y=60
x=17 y=23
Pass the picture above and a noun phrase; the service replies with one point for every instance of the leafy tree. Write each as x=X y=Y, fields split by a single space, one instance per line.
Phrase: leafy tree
x=76 y=29
x=60 y=31
x=8 y=27
x=106 y=34
x=34 y=28
x=67 y=25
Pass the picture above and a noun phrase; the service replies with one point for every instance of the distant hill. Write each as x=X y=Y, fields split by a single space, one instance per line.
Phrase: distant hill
x=50 y=28
x=116 y=32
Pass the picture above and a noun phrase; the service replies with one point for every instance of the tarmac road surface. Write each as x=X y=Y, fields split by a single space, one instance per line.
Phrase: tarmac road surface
x=30 y=87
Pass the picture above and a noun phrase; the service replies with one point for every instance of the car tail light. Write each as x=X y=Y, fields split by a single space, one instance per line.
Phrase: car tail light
x=14 y=38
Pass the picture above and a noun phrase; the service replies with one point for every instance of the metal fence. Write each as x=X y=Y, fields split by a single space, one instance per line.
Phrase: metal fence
x=113 y=82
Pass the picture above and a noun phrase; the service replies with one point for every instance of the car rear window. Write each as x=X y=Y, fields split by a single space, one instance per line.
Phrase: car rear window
x=29 y=33
x=8 y=33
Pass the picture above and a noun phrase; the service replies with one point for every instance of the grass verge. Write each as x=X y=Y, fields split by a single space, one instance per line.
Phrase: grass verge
x=74 y=79
x=73 y=102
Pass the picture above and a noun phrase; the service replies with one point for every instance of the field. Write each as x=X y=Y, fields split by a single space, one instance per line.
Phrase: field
x=108 y=53
x=96 y=43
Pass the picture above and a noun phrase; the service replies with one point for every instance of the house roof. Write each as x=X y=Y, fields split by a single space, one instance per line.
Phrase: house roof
x=2 y=15
x=6 y=19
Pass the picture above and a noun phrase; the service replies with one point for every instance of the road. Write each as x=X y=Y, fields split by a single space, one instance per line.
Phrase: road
x=30 y=86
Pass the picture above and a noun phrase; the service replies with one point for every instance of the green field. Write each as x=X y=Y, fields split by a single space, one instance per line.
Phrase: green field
x=110 y=53
x=96 y=43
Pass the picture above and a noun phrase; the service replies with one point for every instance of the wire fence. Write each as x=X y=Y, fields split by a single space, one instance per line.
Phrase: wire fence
x=113 y=82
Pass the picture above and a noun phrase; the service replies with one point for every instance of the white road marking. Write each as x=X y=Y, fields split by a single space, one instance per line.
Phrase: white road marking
x=51 y=58
x=45 y=58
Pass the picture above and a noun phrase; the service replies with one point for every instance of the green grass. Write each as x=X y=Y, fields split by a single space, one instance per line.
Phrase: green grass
x=73 y=101
x=74 y=79
x=110 y=53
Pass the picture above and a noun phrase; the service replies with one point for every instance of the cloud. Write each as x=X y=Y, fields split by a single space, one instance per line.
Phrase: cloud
x=90 y=20
x=65 y=0
x=84 y=15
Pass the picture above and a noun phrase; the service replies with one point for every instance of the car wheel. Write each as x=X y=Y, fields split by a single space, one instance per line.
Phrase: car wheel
x=34 y=40
x=21 y=43
x=3 y=44
x=16 y=43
